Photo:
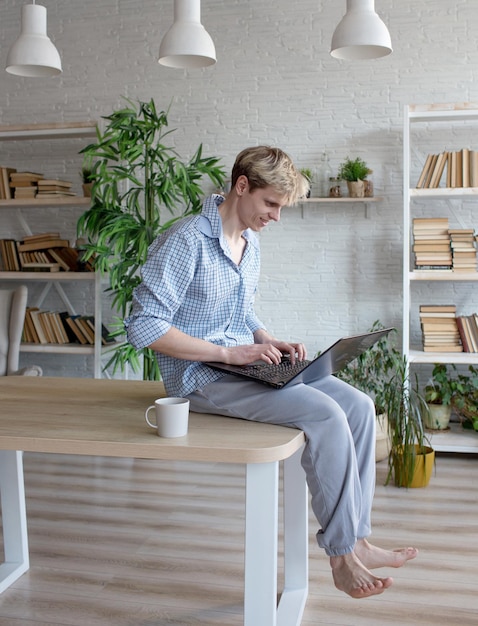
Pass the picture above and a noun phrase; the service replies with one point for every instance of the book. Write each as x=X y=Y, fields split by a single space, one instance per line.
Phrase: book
x=54 y=194
x=40 y=267
x=71 y=321
x=35 y=317
x=438 y=170
x=473 y=168
x=465 y=167
x=40 y=237
x=86 y=328
x=53 y=182
x=9 y=254
x=32 y=335
x=424 y=173
x=6 y=172
x=431 y=169
x=71 y=336
x=43 y=245
x=438 y=308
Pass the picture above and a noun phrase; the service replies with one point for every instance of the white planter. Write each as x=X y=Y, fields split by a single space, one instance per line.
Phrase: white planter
x=439 y=416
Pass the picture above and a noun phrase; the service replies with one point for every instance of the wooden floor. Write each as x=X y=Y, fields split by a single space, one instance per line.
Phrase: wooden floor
x=117 y=542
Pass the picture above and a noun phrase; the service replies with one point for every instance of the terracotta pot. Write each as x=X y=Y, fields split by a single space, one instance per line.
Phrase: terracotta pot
x=356 y=188
x=87 y=189
x=438 y=417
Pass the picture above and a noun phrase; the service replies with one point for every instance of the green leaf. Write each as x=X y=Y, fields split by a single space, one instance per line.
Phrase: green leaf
x=139 y=179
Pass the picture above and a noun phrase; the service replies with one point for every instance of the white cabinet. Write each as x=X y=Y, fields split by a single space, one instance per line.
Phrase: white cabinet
x=22 y=209
x=431 y=129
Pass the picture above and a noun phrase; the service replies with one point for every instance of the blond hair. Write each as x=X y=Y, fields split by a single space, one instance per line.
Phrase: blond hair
x=266 y=166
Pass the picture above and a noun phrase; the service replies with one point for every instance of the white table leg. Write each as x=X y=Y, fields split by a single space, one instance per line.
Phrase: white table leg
x=261 y=547
x=296 y=544
x=260 y=591
x=12 y=499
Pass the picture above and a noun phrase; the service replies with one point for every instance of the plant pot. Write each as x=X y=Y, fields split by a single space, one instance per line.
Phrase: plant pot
x=421 y=473
x=356 y=188
x=438 y=416
x=87 y=189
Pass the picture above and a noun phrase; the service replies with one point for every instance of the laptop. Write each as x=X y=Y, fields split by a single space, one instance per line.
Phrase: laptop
x=326 y=363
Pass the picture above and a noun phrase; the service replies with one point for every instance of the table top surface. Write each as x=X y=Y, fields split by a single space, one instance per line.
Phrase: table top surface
x=102 y=417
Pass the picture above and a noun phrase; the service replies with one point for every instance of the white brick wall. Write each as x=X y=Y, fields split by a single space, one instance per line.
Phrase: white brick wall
x=333 y=270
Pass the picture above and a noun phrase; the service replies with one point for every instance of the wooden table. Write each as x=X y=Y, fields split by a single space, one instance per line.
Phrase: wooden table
x=106 y=418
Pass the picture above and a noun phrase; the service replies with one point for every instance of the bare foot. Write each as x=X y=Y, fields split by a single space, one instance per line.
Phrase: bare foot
x=351 y=576
x=373 y=557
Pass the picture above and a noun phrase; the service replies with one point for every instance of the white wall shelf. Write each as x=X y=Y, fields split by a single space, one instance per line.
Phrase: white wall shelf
x=346 y=200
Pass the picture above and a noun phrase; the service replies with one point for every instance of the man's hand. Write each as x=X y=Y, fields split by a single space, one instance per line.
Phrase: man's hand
x=266 y=348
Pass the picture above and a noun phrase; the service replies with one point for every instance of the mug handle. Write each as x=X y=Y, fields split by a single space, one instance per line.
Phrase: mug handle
x=146 y=416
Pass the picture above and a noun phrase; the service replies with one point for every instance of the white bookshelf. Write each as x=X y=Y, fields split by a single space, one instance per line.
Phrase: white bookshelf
x=430 y=119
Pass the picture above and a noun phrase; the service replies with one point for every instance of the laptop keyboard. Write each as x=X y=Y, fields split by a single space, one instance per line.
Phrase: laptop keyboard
x=272 y=372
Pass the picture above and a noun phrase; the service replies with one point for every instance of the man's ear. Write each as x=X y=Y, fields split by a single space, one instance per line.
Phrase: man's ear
x=241 y=184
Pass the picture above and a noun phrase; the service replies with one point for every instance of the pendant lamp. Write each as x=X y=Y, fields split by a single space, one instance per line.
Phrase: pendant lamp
x=187 y=44
x=33 y=53
x=361 y=34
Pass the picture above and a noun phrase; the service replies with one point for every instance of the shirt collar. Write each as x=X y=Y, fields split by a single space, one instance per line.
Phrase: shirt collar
x=210 y=224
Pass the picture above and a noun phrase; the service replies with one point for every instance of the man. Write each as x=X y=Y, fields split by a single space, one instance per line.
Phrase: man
x=196 y=304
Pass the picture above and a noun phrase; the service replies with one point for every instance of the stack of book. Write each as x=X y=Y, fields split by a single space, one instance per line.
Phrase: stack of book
x=54 y=188
x=61 y=328
x=461 y=169
x=24 y=184
x=439 y=328
x=431 y=243
x=463 y=249
x=468 y=328
x=46 y=252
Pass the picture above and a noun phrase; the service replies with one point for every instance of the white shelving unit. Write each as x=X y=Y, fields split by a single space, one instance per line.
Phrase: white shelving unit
x=54 y=280
x=432 y=118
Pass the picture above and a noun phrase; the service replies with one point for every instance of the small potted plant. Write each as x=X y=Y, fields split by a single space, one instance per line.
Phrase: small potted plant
x=307 y=173
x=465 y=401
x=354 y=172
x=87 y=178
x=440 y=393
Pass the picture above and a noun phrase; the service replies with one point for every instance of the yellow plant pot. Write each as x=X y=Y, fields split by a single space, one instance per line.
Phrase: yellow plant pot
x=422 y=471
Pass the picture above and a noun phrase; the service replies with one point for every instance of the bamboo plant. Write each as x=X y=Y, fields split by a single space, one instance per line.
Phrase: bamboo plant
x=141 y=187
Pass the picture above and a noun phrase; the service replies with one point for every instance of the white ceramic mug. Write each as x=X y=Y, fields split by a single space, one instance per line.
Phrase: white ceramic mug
x=172 y=416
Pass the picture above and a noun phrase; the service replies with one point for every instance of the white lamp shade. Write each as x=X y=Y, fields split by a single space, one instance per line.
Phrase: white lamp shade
x=361 y=34
x=187 y=44
x=33 y=54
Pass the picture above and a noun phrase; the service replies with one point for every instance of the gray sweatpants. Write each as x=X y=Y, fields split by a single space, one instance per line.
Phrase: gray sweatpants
x=339 y=455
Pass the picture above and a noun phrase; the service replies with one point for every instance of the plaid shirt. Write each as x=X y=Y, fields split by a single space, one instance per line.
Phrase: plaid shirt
x=190 y=282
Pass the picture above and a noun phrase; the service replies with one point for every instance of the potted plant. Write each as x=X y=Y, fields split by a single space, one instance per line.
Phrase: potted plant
x=465 y=401
x=440 y=393
x=412 y=458
x=370 y=372
x=307 y=173
x=87 y=179
x=137 y=179
x=354 y=172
